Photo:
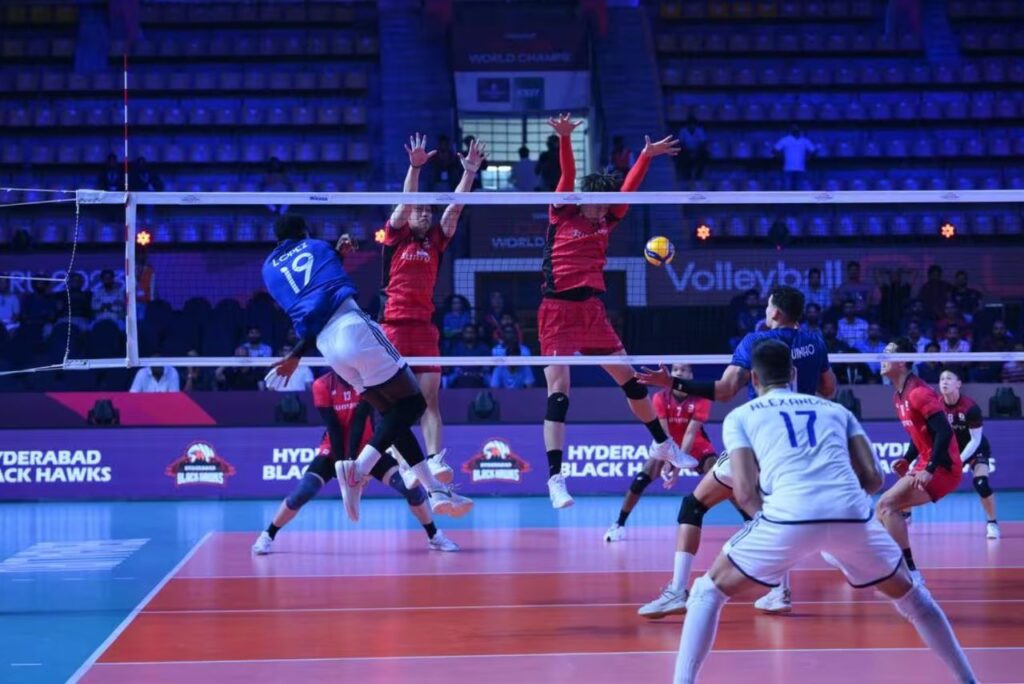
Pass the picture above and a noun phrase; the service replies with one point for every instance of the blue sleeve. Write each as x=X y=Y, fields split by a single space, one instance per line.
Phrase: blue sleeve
x=744 y=352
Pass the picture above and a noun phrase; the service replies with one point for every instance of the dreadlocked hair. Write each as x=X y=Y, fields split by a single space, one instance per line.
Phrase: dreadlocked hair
x=601 y=182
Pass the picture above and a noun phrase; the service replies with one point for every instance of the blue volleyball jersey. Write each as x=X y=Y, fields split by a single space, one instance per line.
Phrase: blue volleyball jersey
x=810 y=356
x=306 y=278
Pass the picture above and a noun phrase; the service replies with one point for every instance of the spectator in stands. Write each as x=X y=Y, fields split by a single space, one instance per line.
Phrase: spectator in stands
x=254 y=345
x=895 y=297
x=291 y=338
x=920 y=315
x=456 y=317
x=752 y=312
x=952 y=341
x=239 y=378
x=198 y=379
x=156 y=379
x=468 y=345
x=301 y=380
x=865 y=296
x=548 y=167
x=511 y=377
x=914 y=335
x=276 y=179
x=496 y=308
x=1013 y=371
x=741 y=332
x=795 y=149
x=929 y=371
x=834 y=345
x=145 y=283
x=80 y=313
x=445 y=166
x=621 y=158
x=10 y=305
x=874 y=344
x=952 y=316
x=967 y=298
x=815 y=292
x=108 y=300
x=693 y=156
x=39 y=307
x=851 y=328
x=478 y=182
x=812 y=318
x=935 y=292
x=1000 y=340
x=524 y=172
x=111 y=177
x=141 y=179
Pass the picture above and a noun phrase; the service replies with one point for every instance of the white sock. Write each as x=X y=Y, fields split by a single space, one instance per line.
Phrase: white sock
x=367 y=458
x=426 y=478
x=784 y=584
x=681 y=570
x=931 y=624
x=702 y=612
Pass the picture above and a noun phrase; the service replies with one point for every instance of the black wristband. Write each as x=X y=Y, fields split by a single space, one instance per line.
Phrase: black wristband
x=698 y=388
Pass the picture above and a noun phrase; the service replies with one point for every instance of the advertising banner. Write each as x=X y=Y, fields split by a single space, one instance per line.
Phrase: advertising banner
x=238 y=463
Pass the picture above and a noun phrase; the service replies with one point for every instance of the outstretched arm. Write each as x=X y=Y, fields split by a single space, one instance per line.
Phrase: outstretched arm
x=667 y=145
x=732 y=381
x=418 y=156
x=563 y=127
x=471 y=164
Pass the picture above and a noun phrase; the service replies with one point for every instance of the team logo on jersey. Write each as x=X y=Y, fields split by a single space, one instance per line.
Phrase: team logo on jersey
x=417 y=254
x=496 y=462
x=200 y=464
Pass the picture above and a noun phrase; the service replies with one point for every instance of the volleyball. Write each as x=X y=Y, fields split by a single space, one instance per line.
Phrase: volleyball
x=659 y=251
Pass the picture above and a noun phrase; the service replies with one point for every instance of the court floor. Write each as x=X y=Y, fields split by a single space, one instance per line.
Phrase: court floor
x=168 y=592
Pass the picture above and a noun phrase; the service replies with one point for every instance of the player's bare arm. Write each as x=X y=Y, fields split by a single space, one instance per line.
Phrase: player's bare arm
x=744 y=478
x=563 y=126
x=471 y=163
x=732 y=381
x=827 y=384
x=865 y=465
x=418 y=157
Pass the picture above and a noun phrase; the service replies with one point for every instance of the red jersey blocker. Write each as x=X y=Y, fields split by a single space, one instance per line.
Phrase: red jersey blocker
x=330 y=391
x=915 y=405
x=678 y=413
x=409 y=275
x=571 y=318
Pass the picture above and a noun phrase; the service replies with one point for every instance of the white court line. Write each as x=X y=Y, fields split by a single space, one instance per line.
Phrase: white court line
x=532 y=606
x=91 y=660
x=26 y=664
x=470 y=656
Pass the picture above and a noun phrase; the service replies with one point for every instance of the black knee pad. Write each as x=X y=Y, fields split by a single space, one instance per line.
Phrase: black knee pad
x=397 y=420
x=982 y=487
x=558 y=407
x=640 y=483
x=307 y=488
x=691 y=511
x=414 y=496
x=411 y=408
x=634 y=390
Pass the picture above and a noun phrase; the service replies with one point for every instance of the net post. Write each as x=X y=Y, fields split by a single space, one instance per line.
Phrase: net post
x=131 y=323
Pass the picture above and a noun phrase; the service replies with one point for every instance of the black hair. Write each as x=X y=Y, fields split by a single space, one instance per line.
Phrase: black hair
x=904 y=346
x=773 y=362
x=600 y=182
x=524 y=152
x=813 y=270
x=955 y=371
x=934 y=268
x=105 y=272
x=290 y=227
x=789 y=300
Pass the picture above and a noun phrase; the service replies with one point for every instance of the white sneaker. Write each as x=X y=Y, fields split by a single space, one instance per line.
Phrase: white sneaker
x=615 y=533
x=351 y=488
x=447 y=502
x=778 y=600
x=439 y=469
x=442 y=543
x=670 y=602
x=992 y=530
x=262 y=545
x=559 y=494
x=669 y=451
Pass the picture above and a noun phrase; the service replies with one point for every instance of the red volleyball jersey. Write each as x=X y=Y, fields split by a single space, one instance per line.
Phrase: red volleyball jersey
x=409 y=272
x=678 y=413
x=330 y=391
x=576 y=250
x=914 y=406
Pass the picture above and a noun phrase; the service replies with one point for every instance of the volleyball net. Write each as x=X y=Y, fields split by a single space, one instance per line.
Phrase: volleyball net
x=190 y=264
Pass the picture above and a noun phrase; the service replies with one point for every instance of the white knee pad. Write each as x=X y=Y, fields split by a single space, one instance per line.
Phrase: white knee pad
x=915 y=603
x=705 y=591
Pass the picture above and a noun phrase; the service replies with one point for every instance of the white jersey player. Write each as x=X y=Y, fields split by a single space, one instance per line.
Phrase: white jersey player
x=805 y=466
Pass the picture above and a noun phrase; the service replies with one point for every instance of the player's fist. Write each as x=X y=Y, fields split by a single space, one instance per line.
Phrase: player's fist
x=901 y=467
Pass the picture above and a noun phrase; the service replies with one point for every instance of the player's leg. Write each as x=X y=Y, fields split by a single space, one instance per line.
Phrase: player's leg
x=643 y=479
x=640 y=404
x=432 y=426
x=554 y=433
x=318 y=473
x=988 y=497
x=890 y=508
x=387 y=472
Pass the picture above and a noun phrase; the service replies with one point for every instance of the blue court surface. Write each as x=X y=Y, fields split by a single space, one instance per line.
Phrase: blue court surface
x=71 y=573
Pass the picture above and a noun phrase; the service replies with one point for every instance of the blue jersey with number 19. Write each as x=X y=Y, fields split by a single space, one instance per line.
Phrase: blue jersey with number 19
x=810 y=356
x=306 y=278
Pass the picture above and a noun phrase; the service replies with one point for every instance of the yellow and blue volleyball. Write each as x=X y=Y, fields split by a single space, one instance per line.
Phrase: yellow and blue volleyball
x=659 y=251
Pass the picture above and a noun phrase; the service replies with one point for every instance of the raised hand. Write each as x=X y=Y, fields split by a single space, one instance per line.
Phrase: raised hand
x=417 y=151
x=658 y=378
x=474 y=156
x=667 y=145
x=279 y=374
x=346 y=244
x=564 y=125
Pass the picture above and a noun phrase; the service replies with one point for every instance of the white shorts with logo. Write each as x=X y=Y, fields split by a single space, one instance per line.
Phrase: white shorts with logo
x=764 y=551
x=357 y=349
x=722 y=472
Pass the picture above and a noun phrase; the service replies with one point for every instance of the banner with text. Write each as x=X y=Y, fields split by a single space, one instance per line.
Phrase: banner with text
x=191 y=463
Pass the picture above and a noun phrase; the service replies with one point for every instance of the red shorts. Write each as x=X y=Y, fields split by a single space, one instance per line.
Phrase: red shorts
x=568 y=328
x=943 y=481
x=414 y=338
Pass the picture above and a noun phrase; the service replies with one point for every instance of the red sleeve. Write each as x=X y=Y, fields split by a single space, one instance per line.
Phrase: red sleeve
x=660 y=409
x=702 y=410
x=633 y=180
x=925 y=401
x=392 y=235
x=321 y=393
x=567 y=162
